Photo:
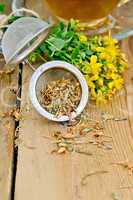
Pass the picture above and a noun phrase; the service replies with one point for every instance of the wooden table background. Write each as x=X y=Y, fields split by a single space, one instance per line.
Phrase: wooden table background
x=31 y=172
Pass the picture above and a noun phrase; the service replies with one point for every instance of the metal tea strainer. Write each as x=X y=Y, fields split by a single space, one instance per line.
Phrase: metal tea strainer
x=22 y=37
x=52 y=71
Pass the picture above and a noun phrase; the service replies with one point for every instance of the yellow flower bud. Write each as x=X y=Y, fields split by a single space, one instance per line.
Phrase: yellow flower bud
x=100 y=81
x=83 y=38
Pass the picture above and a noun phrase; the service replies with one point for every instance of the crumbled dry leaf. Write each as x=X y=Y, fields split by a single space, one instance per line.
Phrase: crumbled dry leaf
x=68 y=136
x=29 y=147
x=126 y=187
x=84 y=179
x=107 y=116
x=127 y=165
x=87 y=153
x=18 y=141
x=61 y=150
x=15 y=113
x=97 y=133
x=7 y=71
x=114 y=196
x=77 y=135
x=61 y=144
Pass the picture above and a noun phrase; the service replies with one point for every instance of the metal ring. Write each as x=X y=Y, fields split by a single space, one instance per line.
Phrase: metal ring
x=62 y=65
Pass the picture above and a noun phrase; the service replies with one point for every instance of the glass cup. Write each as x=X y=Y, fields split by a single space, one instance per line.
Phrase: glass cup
x=99 y=17
x=88 y=12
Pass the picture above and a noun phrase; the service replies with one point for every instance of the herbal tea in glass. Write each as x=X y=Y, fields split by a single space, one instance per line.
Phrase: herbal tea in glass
x=83 y=10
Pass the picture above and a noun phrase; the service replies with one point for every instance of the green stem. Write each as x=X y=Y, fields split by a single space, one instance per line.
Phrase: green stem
x=42 y=58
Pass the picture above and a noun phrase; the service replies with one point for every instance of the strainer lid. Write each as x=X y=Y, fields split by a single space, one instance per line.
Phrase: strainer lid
x=22 y=37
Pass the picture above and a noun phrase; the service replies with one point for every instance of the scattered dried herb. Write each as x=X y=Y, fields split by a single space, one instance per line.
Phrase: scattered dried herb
x=7 y=72
x=87 y=153
x=61 y=97
x=107 y=117
x=15 y=113
x=126 y=187
x=61 y=150
x=84 y=179
x=82 y=131
x=126 y=165
x=114 y=196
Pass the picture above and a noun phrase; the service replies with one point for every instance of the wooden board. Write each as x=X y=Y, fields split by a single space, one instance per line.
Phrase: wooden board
x=7 y=127
x=42 y=175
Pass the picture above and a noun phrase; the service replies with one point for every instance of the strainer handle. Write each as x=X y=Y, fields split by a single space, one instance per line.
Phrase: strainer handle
x=5 y=20
x=17 y=5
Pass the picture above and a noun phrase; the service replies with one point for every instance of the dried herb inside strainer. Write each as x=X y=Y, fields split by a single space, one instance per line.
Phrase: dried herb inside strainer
x=61 y=97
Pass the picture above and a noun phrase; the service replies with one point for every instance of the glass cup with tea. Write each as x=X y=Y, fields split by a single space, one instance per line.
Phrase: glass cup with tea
x=87 y=11
x=97 y=16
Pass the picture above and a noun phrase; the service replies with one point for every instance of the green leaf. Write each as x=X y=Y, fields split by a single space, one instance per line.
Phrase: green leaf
x=42 y=47
x=2 y=7
x=13 y=18
x=57 y=30
x=83 y=55
x=89 y=52
x=75 y=53
x=53 y=50
x=56 y=42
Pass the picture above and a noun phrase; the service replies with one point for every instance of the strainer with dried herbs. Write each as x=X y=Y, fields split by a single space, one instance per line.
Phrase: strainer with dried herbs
x=61 y=97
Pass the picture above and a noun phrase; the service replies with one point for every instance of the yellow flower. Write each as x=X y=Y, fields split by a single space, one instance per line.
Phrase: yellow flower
x=108 y=40
x=119 y=83
x=116 y=84
x=83 y=38
x=100 y=81
x=100 y=49
x=105 y=56
x=91 y=84
x=107 y=64
x=93 y=93
x=111 y=85
x=86 y=68
x=112 y=51
x=94 y=77
x=112 y=75
x=112 y=67
x=94 y=65
x=112 y=91
x=100 y=98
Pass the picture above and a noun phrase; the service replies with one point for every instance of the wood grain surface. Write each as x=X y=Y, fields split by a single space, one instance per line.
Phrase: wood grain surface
x=42 y=175
x=7 y=127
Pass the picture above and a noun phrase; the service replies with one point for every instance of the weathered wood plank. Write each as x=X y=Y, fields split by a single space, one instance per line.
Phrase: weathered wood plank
x=41 y=174
x=7 y=127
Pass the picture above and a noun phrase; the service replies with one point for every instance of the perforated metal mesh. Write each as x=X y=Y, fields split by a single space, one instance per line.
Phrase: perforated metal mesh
x=21 y=35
